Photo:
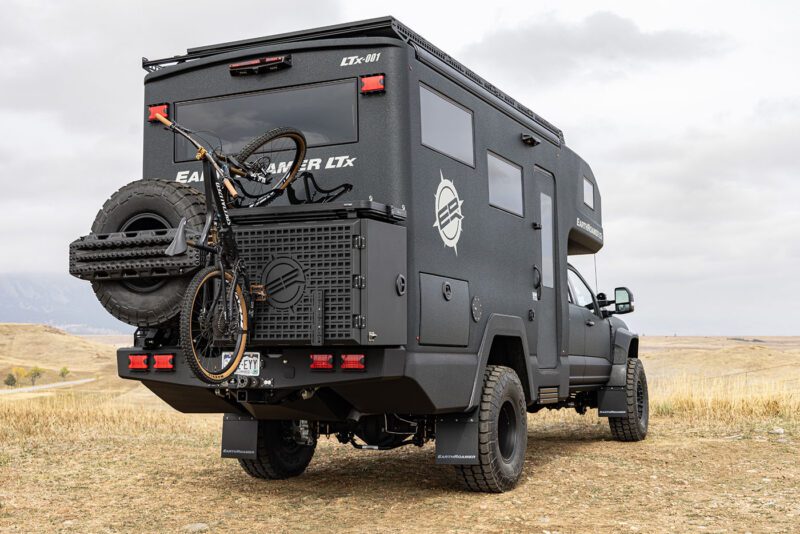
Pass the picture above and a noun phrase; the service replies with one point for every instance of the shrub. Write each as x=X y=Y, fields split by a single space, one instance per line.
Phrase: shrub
x=10 y=380
x=34 y=374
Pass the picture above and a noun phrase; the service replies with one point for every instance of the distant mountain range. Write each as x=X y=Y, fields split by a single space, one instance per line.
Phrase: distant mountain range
x=57 y=300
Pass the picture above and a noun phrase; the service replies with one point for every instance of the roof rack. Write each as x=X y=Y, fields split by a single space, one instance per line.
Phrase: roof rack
x=378 y=27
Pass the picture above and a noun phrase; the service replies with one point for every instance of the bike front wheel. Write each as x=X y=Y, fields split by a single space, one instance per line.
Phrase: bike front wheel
x=275 y=157
x=213 y=325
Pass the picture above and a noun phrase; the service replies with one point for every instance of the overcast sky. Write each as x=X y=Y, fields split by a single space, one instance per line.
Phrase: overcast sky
x=689 y=115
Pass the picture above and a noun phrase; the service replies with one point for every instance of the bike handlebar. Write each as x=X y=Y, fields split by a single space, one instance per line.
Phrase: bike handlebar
x=202 y=153
x=163 y=120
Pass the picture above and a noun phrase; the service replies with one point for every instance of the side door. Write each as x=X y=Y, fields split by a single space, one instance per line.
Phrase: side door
x=541 y=199
x=596 y=330
x=576 y=344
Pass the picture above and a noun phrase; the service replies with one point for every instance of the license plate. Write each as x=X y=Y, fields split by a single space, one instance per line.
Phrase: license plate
x=249 y=366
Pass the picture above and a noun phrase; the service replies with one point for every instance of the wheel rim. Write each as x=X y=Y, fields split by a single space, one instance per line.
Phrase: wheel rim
x=139 y=223
x=507 y=430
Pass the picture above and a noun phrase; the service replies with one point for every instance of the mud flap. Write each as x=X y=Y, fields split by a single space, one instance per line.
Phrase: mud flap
x=239 y=437
x=612 y=402
x=457 y=438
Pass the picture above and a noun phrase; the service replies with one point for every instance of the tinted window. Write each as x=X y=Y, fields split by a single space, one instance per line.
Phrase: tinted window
x=325 y=113
x=546 y=203
x=588 y=193
x=505 y=184
x=581 y=292
x=446 y=126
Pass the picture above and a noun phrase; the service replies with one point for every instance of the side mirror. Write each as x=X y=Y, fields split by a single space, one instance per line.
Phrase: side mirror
x=623 y=300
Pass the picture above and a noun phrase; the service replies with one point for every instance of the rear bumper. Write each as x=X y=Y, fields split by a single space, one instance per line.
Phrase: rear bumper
x=394 y=381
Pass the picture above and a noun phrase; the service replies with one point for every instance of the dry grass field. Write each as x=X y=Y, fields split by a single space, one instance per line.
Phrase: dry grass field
x=722 y=456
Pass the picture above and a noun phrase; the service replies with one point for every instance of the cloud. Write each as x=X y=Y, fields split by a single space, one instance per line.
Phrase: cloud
x=71 y=112
x=703 y=226
x=602 y=46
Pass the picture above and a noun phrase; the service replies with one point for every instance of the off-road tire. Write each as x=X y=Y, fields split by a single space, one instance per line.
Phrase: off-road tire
x=278 y=458
x=633 y=426
x=501 y=450
x=167 y=202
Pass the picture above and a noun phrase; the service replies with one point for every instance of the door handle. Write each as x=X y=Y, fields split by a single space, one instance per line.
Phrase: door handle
x=589 y=323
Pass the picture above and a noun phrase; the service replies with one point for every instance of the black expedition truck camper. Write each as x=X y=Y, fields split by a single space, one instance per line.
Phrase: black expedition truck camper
x=434 y=300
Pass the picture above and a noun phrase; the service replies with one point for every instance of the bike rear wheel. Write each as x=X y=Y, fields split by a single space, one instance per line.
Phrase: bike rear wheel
x=212 y=343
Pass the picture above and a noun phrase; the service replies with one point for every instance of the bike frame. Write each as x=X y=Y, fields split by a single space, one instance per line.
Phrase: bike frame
x=224 y=252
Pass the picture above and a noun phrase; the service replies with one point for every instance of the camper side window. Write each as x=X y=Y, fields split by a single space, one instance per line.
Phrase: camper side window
x=446 y=126
x=588 y=192
x=505 y=184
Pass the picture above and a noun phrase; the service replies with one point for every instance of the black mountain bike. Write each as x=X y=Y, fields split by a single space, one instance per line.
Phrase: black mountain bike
x=217 y=307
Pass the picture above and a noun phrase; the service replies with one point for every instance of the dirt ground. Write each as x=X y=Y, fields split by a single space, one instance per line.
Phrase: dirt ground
x=117 y=460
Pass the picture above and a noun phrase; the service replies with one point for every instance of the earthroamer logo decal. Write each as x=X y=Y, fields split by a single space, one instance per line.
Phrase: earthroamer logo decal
x=448 y=213
x=285 y=281
x=358 y=60
x=280 y=167
x=583 y=225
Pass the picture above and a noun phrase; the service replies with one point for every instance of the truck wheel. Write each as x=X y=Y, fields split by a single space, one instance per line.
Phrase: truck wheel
x=279 y=455
x=503 y=434
x=147 y=205
x=633 y=426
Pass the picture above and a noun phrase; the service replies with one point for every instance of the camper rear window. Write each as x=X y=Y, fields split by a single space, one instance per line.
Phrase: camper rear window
x=446 y=126
x=325 y=113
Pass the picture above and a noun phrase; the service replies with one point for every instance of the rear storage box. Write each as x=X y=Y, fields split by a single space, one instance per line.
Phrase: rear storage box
x=340 y=280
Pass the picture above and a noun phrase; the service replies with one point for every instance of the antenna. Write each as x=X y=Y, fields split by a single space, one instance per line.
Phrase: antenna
x=596 y=285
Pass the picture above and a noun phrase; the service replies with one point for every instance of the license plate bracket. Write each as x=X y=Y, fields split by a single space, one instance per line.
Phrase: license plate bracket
x=249 y=366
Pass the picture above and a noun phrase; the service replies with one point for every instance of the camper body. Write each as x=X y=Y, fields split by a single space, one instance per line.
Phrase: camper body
x=447 y=260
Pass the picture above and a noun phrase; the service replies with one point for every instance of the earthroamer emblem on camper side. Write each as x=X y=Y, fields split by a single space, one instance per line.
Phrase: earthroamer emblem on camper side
x=448 y=213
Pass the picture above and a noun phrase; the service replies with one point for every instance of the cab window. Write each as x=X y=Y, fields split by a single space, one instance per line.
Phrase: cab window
x=580 y=292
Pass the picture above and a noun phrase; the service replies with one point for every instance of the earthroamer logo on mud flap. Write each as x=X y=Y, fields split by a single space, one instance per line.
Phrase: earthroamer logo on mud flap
x=583 y=225
x=448 y=213
x=280 y=167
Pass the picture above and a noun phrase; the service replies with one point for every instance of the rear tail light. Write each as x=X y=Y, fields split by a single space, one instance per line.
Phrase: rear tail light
x=373 y=84
x=322 y=362
x=162 y=109
x=353 y=362
x=260 y=65
x=137 y=362
x=164 y=362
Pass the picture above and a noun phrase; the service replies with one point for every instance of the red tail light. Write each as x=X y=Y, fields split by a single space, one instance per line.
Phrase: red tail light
x=322 y=362
x=163 y=109
x=373 y=84
x=164 y=362
x=137 y=362
x=353 y=362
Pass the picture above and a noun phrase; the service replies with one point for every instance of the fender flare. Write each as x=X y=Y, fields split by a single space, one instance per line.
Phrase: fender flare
x=623 y=339
x=500 y=325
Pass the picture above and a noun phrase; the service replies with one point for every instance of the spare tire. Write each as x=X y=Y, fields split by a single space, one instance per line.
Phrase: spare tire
x=147 y=205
